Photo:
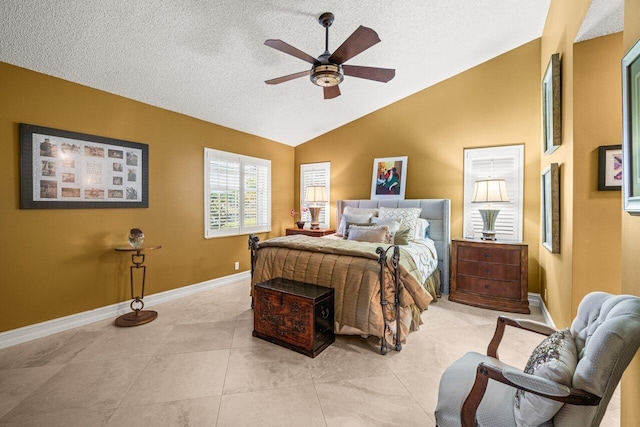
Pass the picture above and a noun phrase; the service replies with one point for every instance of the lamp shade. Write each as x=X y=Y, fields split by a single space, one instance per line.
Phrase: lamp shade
x=315 y=193
x=490 y=190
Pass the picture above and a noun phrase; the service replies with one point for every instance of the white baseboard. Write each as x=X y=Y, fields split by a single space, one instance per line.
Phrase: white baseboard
x=43 y=329
x=536 y=300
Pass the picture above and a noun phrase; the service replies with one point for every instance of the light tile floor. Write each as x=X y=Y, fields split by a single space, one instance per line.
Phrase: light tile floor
x=198 y=365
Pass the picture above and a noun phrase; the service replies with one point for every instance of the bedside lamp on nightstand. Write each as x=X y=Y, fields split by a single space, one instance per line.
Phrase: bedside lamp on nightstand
x=315 y=194
x=489 y=191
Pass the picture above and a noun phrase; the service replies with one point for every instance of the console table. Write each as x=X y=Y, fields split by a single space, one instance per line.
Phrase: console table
x=138 y=316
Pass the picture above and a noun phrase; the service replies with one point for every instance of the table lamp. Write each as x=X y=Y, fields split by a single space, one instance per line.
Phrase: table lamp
x=315 y=194
x=489 y=191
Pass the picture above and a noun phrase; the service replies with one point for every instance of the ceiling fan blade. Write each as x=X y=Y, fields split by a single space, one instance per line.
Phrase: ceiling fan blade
x=370 y=73
x=287 y=48
x=283 y=79
x=331 y=92
x=359 y=41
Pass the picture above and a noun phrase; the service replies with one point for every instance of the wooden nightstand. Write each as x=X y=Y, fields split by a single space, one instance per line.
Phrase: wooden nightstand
x=490 y=274
x=308 y=232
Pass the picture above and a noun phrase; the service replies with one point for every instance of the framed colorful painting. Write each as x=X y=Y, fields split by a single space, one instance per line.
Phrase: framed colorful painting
x=389 y=178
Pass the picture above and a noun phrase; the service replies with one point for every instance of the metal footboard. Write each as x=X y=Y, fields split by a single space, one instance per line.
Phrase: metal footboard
x=384 y=261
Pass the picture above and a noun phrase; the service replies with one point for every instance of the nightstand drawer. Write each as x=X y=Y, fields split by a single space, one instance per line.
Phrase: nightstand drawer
x=489 y=254
x=489 y=274
x=489 y=270
x=494 y=288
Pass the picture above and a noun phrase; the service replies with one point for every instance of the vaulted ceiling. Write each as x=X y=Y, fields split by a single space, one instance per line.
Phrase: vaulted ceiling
x=207 y=59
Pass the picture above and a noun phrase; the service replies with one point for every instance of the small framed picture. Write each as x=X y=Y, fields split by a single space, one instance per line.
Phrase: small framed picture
x=389 y=178
x=609 y=167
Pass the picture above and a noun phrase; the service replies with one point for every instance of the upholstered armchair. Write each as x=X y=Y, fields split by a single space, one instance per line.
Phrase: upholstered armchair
x=568 y=380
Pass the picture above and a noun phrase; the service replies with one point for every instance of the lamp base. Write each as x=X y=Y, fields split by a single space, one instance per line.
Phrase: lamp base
x=315 y=215
x=489 y=220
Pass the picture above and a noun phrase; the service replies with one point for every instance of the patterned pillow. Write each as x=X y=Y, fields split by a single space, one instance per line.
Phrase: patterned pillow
x=359 y=218
x=555 y=359
x=407 y=217
x=372 y=233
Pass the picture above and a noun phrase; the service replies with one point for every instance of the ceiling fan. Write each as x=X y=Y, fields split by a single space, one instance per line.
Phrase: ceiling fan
x=328 y=70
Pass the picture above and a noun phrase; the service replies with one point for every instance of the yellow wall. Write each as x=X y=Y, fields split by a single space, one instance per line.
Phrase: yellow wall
x=563 y=22
x=630 y=410
x=495 y=103
x=596 y=117
x=60 y=262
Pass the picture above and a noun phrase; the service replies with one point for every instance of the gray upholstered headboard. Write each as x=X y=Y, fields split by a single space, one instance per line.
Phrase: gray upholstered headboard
x=436 y=211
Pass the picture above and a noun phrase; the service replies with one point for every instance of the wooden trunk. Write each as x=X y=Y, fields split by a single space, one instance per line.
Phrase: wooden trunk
x=295 y=315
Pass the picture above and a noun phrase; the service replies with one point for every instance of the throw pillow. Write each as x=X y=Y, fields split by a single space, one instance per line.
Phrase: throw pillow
x=393 y=224
x=348 y=225
x=374 y=234
x=401 y=237
x=555 y=359
x=359 y=218
x=407 y=217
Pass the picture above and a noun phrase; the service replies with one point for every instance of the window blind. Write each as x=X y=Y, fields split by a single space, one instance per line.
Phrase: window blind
x=237 y=194
x=501 y=163
x=316 y=174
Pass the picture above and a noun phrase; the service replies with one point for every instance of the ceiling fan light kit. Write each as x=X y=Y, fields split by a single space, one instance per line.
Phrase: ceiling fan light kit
x=327 y=70
x=327 y=75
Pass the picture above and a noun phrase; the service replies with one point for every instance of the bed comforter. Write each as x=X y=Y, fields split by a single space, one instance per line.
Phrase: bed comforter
x=352 y=269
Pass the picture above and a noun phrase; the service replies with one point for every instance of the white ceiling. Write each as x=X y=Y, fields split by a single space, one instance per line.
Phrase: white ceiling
x=206 y=59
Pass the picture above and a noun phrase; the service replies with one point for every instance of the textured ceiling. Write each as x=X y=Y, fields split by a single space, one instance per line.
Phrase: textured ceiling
x=206 y=59
x=604 y=17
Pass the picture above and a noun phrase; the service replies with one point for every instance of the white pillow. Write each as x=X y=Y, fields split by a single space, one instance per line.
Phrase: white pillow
x=422 y=228
x=358 y=218
x=408 y=217
x=555 y=359
x=360 y=211
x=392 y=223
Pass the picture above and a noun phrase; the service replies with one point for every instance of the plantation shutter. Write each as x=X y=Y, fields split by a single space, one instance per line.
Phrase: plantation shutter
x=256 y=196
x=500 y=163
x=316 y=174
x=237 y=194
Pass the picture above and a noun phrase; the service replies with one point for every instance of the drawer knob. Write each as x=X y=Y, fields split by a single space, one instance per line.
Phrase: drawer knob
x=486 y=270
x=487 y=254
x=487 y=286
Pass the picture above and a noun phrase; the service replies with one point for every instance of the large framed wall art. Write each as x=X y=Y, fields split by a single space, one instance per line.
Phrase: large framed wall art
x=550 y=198
x=631 y=130
x=69 y=170
x=389 y=178
x=552 y=106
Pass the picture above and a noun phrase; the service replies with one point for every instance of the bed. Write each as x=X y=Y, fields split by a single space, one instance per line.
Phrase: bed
x=380 y=288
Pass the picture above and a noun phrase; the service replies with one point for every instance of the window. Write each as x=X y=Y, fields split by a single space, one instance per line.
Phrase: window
x=237 y=194
x=316 y=174
x=495 y=162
